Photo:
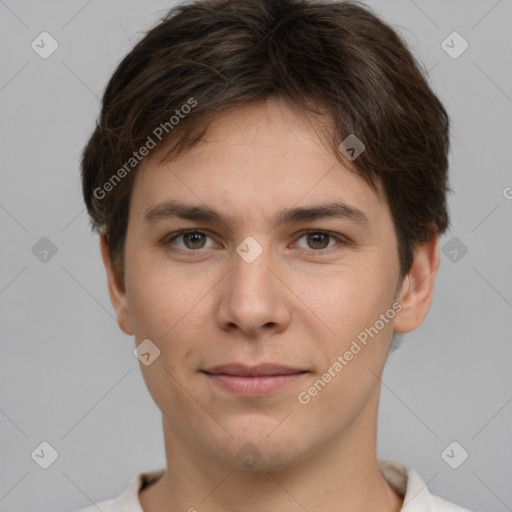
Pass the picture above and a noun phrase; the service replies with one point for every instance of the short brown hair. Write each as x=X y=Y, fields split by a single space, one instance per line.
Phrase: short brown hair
x=332 y=59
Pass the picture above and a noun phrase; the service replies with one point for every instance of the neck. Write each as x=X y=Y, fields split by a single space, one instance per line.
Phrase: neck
x=341 y=475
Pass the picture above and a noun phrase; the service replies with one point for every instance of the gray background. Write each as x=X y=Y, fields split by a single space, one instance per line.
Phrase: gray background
x=67 y=373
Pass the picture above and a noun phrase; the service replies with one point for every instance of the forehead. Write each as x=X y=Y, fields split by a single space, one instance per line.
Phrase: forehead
x=267 y=155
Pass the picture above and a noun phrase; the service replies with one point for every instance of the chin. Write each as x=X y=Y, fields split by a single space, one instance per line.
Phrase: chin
x=255 y=448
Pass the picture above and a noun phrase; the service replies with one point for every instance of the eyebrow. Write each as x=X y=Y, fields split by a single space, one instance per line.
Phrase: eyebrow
x=339 y=210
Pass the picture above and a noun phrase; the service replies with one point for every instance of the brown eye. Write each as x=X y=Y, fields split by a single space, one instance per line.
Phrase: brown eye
x=321 y=242
x=189 y=241
x=194 y=240
x=317 y=240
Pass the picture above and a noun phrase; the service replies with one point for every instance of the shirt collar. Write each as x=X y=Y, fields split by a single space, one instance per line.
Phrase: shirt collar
x=129 y=501
x=403 y=479
x=408 y=484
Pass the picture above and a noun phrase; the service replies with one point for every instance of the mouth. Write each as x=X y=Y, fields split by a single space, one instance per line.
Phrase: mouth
x=253 y=381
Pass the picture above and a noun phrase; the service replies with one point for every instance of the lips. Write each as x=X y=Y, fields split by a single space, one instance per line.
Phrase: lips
x=253 y=381
x=260 y=370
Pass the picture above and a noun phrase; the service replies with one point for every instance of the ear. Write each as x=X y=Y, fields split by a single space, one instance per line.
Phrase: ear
x=418 y=287
x=116 y=290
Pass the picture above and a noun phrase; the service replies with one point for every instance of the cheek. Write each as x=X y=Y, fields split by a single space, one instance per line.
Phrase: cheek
x=173 y=312
x=344 y=300
x=161 y=307
x=355 y=349
x=160 y=298
x=345 y=308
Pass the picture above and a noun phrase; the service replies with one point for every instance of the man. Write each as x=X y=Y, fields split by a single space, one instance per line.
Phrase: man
x=269 y=181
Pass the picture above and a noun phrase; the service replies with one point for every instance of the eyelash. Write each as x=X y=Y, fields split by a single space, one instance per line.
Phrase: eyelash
x=342 y=241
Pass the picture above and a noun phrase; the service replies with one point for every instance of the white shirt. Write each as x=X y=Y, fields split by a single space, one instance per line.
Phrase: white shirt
x=403 y=479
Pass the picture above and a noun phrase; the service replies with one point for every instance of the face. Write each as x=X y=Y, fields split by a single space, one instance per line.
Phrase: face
x=259 y=309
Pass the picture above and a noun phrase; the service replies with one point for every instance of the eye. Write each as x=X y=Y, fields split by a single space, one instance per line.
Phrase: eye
x=192 y=240
x=321 y=240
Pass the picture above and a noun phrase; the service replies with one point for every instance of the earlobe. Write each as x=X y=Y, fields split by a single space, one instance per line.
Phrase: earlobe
x=418 y=287
x=116 y=289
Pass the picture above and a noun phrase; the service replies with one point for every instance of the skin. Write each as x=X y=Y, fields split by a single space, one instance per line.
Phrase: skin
x=301 y=303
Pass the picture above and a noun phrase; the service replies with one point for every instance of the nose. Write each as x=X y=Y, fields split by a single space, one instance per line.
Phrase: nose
x=252 y=299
